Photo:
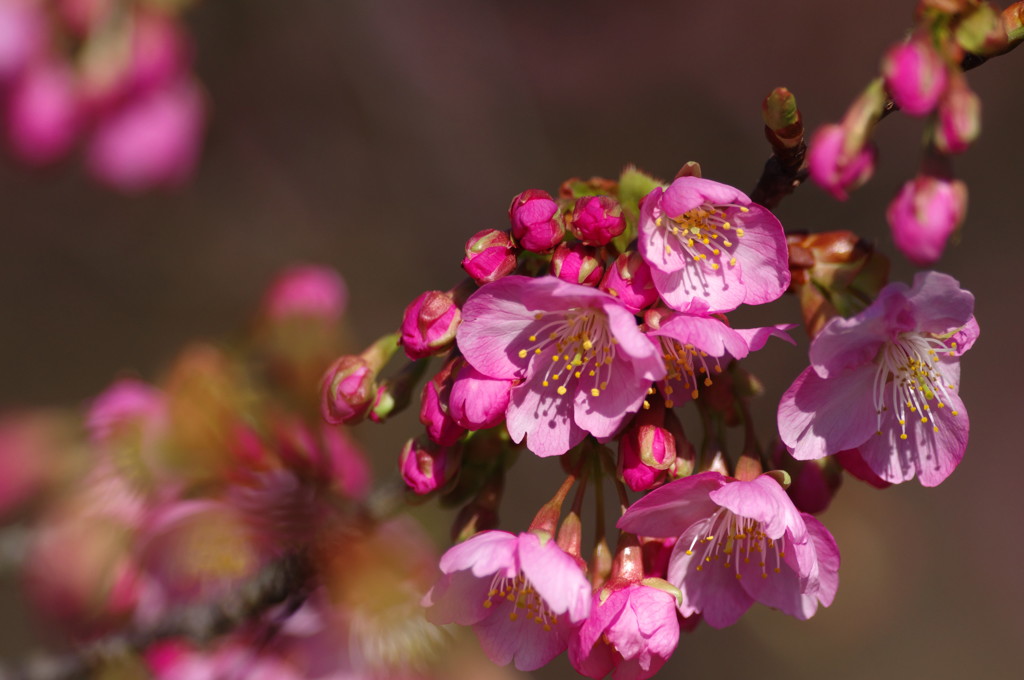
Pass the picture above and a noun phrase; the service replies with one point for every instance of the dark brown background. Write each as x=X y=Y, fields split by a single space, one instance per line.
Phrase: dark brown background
x=376 y=136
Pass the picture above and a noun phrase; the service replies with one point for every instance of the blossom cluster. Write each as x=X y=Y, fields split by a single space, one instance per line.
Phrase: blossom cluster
x=112 y=77
x=588 y=330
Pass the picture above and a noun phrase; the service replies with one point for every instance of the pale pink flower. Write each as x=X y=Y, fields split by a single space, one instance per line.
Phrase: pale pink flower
x=923 y=216
x=695 y=349
x=631 y=632
x=885 y=382
x=710 y=248
x=522 y=594
x=739 y=542
x=583 y=361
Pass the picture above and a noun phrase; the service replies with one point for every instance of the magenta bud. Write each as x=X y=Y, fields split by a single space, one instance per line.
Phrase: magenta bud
x=577 y=263
x=629 y=279
x=924 y=214
x=646 y=449
x=959 y=120
x=43 y=113
x=152 y=141
x=434 y=410
x=490 y=255
x=429 y=324
x=835 y=169
x=23 y=25
x=422 y=465
x=915 y=75
x=477 y=401
x=535 y=223
x=306 y=291
x=596 y=220
x=347 y=390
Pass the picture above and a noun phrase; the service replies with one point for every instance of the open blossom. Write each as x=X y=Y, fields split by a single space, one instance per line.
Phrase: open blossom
x=739 y=542
x=631 y=632
x=696 y=348
x=583 y=361
x=710 y=248
x=885 y=382
x=522 y=594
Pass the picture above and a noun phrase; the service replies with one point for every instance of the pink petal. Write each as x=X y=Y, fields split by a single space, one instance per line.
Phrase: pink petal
x=487 y=553
x=939 y=304
x=713 y=591
x=670 y=510
x=543 y=417
x=819 y=417
x=766 y=501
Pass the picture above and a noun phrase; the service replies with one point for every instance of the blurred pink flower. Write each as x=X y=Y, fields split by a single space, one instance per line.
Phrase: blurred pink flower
x=923 y=216
x=836 y=168
x=306 y=290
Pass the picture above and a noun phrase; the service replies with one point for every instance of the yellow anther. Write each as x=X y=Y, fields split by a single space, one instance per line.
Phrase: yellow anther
x=594 y=392
x=561 y=390
x=903 y=436
x=523 y=353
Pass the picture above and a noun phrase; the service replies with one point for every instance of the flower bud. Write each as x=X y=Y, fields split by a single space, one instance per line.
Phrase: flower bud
x=629 y=279
x=981 y=31
x=477 y=401
x=834 y=169
x=347 y=390
x=596 y=220
x=577 y=263
x=923 y=216
x=535 y=223
x=429 y=324
x=23 y=26
x=490 y=255
x=783 y=125
x=434 y=411
x=646 y=448
x=43 y=113
x=306 y=291
x=422 y=465
x=915 y=75
x=959 y=120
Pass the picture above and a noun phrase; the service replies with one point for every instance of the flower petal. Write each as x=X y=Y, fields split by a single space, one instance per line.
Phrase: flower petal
x=819 y=417
x=670 y=510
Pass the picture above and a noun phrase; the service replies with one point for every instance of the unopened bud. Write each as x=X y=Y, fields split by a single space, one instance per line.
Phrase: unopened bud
x=835 y=170
x=959 y=120
x=535 y=223
x=434 y=412
x=924 y=214
x=429 y=324
x=477 y=401
x=577 y=263
x=981 y=32
x=915 y=75
x=306 y=291
x=490 y=255
x=782 y=122
x=349 y=387
x=422 y=464
x=596 y=220
x=630 y=280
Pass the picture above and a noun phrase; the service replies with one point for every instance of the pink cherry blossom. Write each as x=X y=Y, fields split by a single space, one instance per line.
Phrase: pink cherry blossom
x=915 y=75
x=583 y=361
x=710 y=248
x=306 y=290
x=885 y=382
x=696 y=348
x=522 y=594
x=631 y=632
x=739 y=542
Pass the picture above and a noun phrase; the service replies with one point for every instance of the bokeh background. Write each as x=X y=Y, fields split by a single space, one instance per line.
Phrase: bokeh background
x=376 y=136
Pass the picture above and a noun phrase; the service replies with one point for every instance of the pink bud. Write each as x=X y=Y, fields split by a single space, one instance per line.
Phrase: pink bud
x=596 y=220
x=814 y=485
x=347 y=390
x=306 y=291
x=434 y=411
x=915 y=75
x=490 y=255
x=43 y=115
x=477 y=401
x=429 y=324
x=629 y=279
x=23 y=35
x=646 y=449
x=577 y=263
x=923 y=216
x=422 y=465
x=535 y=223
x=959 y=119
x=836 y=169
x=152 y=140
